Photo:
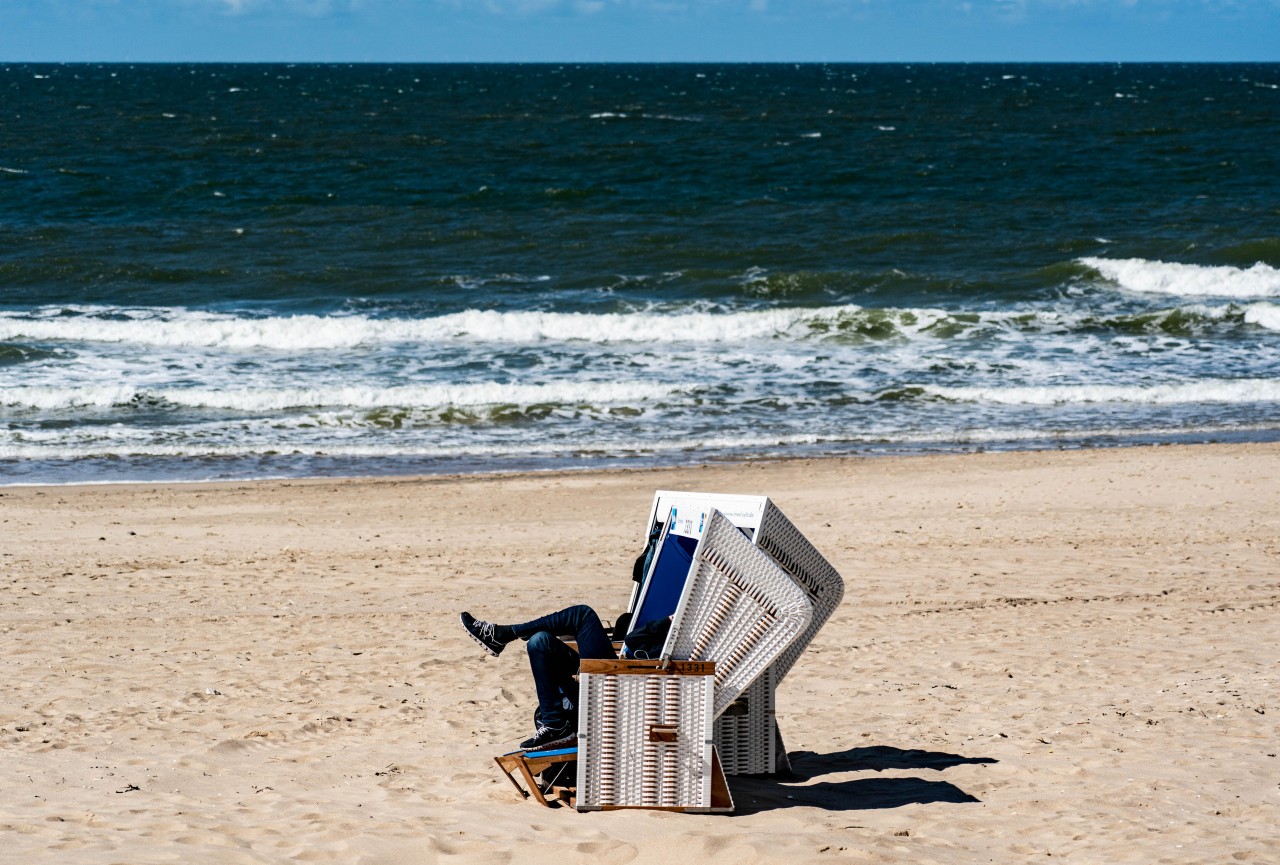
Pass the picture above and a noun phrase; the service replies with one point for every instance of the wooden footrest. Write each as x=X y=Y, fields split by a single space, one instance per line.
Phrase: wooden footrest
x=531 y=763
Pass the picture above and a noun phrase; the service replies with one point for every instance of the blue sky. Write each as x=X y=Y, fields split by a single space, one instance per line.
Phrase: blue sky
x=639 y=30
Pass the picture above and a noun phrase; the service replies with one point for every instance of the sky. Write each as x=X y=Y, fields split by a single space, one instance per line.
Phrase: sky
x=638 y=30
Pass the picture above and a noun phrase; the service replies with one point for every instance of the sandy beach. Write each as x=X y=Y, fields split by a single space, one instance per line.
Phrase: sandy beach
x=1040 y=656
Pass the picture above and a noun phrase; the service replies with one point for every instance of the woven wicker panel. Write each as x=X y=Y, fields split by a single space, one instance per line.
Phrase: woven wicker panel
x=739 y=609
x=746 y=740
x=793 y=552
x=619 y=765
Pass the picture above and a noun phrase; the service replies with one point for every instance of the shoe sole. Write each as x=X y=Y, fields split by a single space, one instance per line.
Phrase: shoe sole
x=554 y=743
x=481 y=643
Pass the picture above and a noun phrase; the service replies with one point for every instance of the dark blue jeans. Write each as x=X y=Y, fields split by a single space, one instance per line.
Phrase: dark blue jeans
x=554 y=664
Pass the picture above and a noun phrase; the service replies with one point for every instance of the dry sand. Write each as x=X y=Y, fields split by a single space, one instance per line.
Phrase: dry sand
x=1068 y=655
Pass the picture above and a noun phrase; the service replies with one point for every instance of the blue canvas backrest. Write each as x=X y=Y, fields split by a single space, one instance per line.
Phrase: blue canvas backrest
x=665 y=581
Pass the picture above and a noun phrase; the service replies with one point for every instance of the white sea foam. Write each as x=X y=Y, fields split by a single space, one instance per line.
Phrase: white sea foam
x=179 y=328
x=136 y=442
x=1210 y=391
x=304 y=332
x=58 y=398
x=354 y=398
x=146 y=446
x=1188 y=280
x=1263 y=314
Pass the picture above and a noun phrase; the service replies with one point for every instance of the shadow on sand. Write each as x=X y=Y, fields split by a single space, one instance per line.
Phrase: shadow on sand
x=753 y=794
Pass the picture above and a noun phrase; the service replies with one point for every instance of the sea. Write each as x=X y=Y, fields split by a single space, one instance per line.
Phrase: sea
x=251 y=271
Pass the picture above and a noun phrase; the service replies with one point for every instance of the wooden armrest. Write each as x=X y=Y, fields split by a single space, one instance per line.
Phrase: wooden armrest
x=573 y=644
x=635 y=667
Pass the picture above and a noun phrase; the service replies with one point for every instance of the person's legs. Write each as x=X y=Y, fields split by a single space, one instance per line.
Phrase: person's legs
x=553 y=665
x=579 y=622
x=552 y=662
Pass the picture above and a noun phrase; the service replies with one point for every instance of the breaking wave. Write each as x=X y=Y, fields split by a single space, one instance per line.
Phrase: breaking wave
x=178 y=328
x=355 y=398
x=1214 y=391
x=1188 y=280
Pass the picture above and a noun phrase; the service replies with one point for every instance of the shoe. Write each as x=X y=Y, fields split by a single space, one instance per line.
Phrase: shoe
x=482 y=633
x=548 y=735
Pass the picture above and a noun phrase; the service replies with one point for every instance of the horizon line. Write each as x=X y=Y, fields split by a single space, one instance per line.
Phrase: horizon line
x=639 y=62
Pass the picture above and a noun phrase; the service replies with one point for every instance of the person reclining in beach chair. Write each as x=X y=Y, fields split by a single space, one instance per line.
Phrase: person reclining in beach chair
x=554 y=664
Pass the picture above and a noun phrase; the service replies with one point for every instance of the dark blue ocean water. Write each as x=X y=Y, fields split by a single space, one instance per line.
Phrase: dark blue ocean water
x=276 y=270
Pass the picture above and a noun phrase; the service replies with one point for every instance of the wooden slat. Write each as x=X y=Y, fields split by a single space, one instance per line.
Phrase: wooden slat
x=528 y=767
x=721 y=798
x=507 y=765
x=649 y=668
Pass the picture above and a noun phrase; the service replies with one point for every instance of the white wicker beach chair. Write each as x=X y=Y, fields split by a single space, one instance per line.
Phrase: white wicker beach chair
x=747 y=736
x=645 y=727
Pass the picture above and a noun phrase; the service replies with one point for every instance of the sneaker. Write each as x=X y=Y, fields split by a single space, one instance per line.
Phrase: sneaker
x=548 y=735
x=482 y=633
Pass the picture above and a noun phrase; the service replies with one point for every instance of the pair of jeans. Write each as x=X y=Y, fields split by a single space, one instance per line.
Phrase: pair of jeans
x=554 y=664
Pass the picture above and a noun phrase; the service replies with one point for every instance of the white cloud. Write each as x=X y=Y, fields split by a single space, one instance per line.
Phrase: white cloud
x=305 y=8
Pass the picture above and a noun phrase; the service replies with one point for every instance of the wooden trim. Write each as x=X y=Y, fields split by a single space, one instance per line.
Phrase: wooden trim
x=721 y=798
x=664 y=733
x=676 y=809
x=507 y=771
x=573 y=644
x=633 y=667
x=528 y=767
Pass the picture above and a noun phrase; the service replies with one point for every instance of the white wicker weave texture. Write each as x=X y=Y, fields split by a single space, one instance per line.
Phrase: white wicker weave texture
x=739 y=609
x=792 y=551
x=620 y=765
x=750 y=743
x=747 y=741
